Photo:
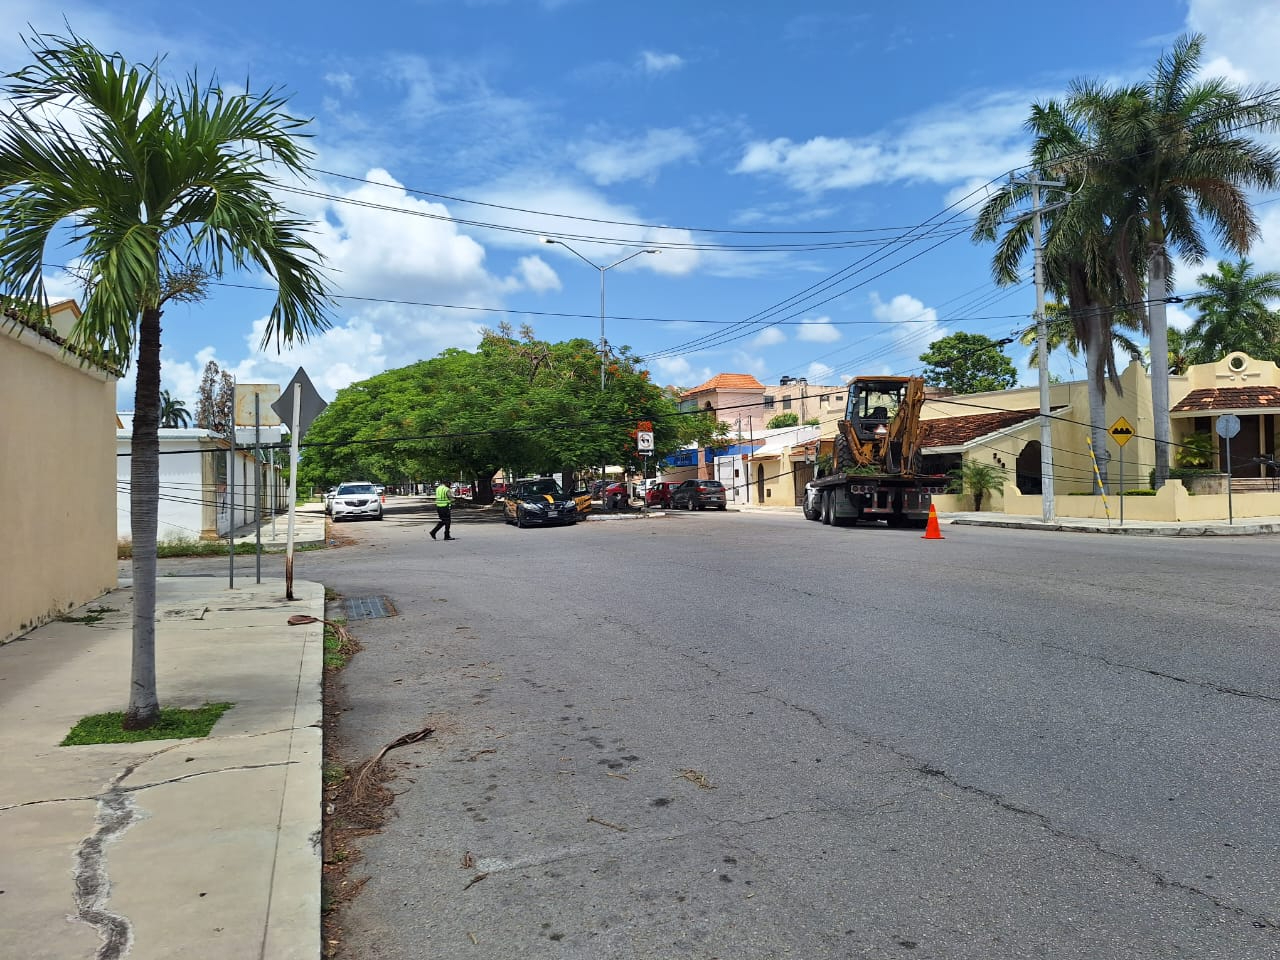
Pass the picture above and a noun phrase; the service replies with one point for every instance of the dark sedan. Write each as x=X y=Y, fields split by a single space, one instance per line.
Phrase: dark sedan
x=698 y=495
x=539 y=502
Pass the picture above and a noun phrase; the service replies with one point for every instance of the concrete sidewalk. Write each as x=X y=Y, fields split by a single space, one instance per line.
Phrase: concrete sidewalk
x=308 y=528
x=169 y=848
x=1241 y=527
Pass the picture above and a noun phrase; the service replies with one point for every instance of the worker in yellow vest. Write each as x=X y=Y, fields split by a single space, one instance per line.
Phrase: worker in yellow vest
x=444 y=509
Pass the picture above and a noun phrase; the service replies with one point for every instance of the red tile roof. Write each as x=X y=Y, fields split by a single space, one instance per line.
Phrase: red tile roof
x=1229 y=398
x=728 y=381
x=953 y=431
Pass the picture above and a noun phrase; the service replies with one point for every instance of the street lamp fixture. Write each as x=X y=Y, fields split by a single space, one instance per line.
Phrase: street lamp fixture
x=604 y=345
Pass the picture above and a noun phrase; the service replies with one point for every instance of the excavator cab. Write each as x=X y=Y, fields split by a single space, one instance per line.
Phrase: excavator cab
x=873 y=404
x=881 y=426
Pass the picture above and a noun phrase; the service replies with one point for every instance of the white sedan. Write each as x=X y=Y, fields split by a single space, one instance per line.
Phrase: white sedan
x=355 y=500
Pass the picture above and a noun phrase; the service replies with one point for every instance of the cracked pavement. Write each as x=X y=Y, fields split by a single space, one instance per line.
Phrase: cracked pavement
x=1008 y=744
x=166 y=848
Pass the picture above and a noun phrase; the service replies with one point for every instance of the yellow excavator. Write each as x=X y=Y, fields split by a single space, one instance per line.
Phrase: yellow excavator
x=870 y=470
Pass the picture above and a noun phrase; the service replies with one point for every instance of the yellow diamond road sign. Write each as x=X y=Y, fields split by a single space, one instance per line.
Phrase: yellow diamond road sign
x=1121 y=431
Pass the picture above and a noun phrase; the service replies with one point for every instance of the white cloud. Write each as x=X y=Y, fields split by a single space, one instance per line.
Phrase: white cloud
x=344 y=81
x=1241 y=37
x=820 y=373
x=744 y=362
x=942 y=145
x=653 y=62
x=915 y=326
x=637 y=159
x=1266 y=250
x=679 y=371
x=768 y=337
x=537 y=274
x=817 y=331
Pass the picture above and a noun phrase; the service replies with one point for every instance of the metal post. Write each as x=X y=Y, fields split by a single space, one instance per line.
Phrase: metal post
x=293 y=490
x=231 y=525
x=1122 y=485
x=1042 y=338
x=1230 y=512
x=257 y=483
x=604 y=347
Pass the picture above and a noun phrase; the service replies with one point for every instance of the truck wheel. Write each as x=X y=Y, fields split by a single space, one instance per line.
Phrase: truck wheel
x=844 y=455
x=826 y=508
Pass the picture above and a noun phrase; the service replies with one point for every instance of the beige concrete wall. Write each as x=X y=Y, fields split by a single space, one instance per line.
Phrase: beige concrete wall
x=58 y=471
x=1171 y=503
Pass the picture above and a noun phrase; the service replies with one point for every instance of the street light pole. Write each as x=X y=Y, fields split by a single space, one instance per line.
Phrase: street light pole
x=604 y=345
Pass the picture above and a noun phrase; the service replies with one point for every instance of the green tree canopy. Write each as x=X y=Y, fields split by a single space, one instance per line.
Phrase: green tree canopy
x=782 y=420
x=968 y=363
x=515 y=402
x=1234 y=314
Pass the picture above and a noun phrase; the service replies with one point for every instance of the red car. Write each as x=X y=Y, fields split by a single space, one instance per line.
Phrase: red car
x=659 y=495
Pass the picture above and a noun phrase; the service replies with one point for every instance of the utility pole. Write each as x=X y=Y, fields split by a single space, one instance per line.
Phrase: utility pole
x=1042 y=341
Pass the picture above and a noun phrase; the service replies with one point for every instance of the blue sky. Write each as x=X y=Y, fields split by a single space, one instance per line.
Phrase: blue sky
x=451 y=135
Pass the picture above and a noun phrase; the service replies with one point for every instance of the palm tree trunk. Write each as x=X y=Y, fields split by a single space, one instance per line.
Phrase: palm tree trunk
x=1157 y=280
x=144 y=502
x=1096 y=345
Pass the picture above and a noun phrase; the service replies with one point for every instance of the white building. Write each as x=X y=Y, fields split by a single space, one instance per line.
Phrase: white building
x=196 y=482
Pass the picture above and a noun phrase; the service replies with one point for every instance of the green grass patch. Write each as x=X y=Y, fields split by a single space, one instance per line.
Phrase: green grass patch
x=94 y=615
x=337 y=649
x=168 y=549
x=174 y=724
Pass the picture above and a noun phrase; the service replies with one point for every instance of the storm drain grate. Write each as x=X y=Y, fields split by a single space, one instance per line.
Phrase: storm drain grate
x=367 y=608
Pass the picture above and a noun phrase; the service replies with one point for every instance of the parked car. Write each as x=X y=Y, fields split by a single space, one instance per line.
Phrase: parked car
x=619 y=495
x=354 y=500
x=539 y=501
x=698 y=495
x=659 y=494
x=499 y=488
x=328 y=499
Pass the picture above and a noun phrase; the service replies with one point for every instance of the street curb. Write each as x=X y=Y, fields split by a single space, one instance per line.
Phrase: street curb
x=1185 y=530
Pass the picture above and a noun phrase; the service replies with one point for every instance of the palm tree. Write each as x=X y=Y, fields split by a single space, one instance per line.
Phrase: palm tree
x=173 y=412
x=1174 y=153
x=1181 y=348
x=1079 y=257
x=1062 y=333
x=1234 y=314
x=162 y=187
x=977 y=479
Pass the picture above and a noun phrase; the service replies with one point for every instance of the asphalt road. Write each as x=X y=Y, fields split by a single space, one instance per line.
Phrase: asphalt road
x=746 y=736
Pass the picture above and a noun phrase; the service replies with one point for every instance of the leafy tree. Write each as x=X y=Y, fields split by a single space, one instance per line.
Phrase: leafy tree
x=783 y=420
x=968 y=363
x=1234 y=314
x=516 y=402
x=173 y=412
x=161 y=187
x=977 y=479
x=1174 y=154
x=215 y=399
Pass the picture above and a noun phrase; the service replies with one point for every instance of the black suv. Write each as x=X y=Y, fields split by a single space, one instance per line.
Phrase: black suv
x=698 y=495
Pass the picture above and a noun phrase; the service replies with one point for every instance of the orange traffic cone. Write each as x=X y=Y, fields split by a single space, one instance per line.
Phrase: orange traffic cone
x=931 y=531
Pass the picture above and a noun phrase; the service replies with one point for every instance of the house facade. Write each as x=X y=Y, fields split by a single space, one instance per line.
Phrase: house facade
x=199 y=475
x=1002 y=429
x=746 y=406
x=57 y=469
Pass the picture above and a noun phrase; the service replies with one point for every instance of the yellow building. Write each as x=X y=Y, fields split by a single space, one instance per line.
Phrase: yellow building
x=58 y=472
